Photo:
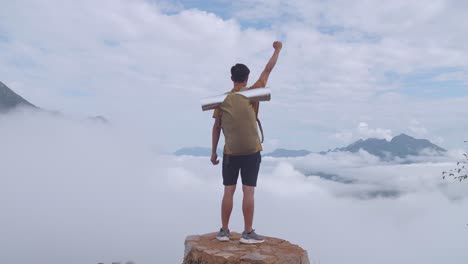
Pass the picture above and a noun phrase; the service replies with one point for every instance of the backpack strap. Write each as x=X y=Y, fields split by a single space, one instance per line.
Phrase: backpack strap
x=261 y=129
x=258 y=121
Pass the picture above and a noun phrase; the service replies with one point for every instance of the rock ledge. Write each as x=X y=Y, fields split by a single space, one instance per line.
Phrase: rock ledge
x=205 y=249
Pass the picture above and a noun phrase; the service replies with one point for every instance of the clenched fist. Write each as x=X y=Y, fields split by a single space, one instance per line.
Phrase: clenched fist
x=277 y=45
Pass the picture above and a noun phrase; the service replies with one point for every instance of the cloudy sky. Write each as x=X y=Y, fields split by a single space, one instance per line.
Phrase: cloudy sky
x=348 y=69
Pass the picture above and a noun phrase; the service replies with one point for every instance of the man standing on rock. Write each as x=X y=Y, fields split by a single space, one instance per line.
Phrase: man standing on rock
x=237 y=118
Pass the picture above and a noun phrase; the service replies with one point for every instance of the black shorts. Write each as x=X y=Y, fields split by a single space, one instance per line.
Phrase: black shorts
x=249 y=165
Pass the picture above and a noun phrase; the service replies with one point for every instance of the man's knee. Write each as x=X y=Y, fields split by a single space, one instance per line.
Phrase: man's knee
x=248 y=190
x=229 y=190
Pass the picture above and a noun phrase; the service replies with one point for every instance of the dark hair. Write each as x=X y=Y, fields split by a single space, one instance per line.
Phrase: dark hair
x=239 y=73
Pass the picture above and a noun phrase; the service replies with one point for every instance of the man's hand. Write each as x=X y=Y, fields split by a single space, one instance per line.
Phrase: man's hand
x=214 y=158
x=277 y=45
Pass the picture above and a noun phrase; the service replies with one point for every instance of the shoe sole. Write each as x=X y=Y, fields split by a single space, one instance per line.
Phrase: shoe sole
x=250 y=241
x=223 y=239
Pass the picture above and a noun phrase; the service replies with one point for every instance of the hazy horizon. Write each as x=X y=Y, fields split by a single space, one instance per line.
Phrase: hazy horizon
x=267 y=151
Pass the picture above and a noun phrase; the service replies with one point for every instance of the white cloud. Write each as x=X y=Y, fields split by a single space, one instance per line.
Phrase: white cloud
x=76 y=186
x=344 y=136
x=363 y=131
x=417 y=129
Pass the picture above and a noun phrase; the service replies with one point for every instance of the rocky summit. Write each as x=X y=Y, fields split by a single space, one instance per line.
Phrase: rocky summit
x=205 y=249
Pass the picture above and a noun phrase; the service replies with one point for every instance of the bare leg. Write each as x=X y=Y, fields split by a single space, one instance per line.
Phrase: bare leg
x=226 y=205
x=248 y=207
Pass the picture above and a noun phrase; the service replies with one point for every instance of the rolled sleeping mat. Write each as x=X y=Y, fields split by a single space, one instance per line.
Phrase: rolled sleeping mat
x=255 y=95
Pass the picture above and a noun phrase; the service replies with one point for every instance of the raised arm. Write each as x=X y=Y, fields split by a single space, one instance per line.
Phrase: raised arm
x=262 y=81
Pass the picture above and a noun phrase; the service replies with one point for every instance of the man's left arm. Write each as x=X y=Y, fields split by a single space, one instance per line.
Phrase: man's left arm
x=216 y=132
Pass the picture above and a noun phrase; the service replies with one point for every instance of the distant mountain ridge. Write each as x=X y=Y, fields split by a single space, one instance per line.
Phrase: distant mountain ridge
x=291 y=153
x=10 y=100
x=400 y=146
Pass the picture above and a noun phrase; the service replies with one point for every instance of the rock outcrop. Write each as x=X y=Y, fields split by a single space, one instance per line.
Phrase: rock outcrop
x=205 y=249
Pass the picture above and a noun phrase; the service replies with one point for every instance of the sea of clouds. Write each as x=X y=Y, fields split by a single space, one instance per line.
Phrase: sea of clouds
x=80 y=191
